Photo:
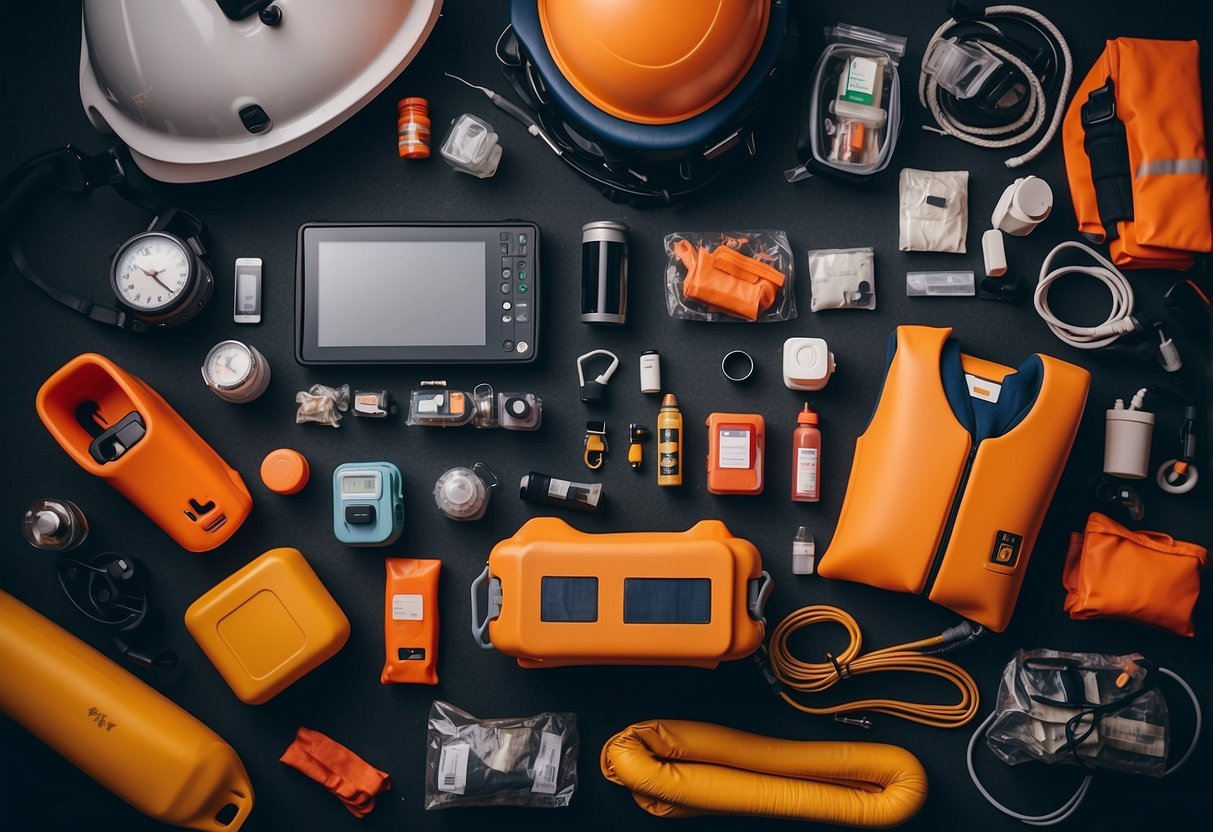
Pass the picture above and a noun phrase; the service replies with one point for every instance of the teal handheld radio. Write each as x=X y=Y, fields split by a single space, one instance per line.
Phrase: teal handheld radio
x=368 y=503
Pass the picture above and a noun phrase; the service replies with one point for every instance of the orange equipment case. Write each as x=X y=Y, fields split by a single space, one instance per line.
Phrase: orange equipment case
x=171 y=473
x=558 y=597
x=268 y=624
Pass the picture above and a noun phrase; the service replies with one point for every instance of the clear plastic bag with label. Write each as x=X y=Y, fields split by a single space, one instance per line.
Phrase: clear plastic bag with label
x=520 y=761
x=729 y=276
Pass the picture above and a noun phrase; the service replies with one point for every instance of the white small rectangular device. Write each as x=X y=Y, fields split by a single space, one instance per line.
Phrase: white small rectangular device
x=246 y=306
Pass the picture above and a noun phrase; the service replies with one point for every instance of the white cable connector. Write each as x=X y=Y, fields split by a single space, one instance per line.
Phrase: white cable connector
x=1168 y=355
x=1119 y=322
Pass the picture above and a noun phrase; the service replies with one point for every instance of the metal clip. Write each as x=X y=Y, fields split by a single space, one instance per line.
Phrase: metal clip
x=595 y=444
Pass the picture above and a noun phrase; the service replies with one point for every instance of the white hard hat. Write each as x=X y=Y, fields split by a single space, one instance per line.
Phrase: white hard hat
x=205 y=89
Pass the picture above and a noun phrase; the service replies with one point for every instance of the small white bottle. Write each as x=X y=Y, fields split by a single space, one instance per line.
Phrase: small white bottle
x=804 y=552
x=54 y=525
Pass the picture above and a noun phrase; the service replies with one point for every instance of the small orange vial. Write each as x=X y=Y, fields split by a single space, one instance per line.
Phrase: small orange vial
x=413 y=128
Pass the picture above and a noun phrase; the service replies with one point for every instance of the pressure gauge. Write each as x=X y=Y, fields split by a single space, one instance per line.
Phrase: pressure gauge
x=160 y=278
x=236 y=371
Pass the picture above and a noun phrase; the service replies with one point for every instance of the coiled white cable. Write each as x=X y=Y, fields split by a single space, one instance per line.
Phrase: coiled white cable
x=1071 y=805
x=1025 y=127
x=1119 y=321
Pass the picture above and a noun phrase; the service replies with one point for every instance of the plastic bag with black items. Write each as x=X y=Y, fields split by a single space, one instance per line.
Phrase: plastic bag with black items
x=522 y=761
x=851 y=113
x=1091 y=709
x=730 y=276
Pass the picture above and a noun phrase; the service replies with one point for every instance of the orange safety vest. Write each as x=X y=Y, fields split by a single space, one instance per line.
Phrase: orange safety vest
x=1134 y=143
x=954 y=473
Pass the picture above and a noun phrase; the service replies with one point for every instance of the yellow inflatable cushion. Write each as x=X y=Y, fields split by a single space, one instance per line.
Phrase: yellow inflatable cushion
x=677 y=768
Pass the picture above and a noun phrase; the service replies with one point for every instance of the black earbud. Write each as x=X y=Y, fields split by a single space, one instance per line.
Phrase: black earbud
x=165 y=658
x=999 y=289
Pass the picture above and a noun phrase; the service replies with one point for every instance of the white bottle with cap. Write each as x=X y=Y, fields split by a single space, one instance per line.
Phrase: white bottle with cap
x=1127 y=436
x=1023 y=205
x=807 y=363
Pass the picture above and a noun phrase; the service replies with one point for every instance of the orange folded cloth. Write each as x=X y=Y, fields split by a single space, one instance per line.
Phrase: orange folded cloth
x=338 y=769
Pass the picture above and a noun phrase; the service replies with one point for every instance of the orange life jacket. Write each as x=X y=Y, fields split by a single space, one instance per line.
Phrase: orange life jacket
x=1134 y=143
x=954 y=473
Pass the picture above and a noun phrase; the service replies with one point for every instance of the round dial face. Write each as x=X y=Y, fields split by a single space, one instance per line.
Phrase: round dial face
x=152 y=271
x=229 y=364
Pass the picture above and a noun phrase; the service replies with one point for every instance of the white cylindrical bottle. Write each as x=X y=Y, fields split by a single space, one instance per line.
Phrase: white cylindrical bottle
x=804 y=552
x=1127 y=437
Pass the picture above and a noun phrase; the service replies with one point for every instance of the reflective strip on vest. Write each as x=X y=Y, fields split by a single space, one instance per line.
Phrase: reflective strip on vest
x=1161 y=167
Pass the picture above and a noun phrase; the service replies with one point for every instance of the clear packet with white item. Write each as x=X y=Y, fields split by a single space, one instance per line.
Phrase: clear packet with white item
x=934 y=212
x=842 y=278
x=521 y=761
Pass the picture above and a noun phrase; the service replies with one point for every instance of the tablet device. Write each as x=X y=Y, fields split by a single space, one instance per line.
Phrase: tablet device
x=417 y=293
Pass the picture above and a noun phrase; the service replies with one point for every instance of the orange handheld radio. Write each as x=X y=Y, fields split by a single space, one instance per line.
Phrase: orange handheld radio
x=118 y=428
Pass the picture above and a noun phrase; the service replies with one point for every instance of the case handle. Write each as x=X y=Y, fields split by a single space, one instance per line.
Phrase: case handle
x=757 y=593
x=480 y=628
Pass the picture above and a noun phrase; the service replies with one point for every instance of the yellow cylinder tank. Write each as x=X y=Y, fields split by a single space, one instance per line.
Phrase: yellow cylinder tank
x=115 y=728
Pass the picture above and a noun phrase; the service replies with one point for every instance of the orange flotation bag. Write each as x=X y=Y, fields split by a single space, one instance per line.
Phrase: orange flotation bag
x=1134 y=143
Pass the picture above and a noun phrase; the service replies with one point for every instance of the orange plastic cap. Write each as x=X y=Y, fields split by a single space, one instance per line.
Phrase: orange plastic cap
x=285 y=471
x=654 y=63
x=807 y=416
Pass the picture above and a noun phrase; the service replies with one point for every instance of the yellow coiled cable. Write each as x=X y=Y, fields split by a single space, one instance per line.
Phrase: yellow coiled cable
x=817 y=677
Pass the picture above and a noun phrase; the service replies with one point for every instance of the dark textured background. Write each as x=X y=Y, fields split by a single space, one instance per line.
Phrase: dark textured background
x=354 y=174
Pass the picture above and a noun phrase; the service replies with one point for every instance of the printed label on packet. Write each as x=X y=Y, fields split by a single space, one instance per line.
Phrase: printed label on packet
x=734 y=448
x=453 y=768
x=547 y=764
x=408 y=608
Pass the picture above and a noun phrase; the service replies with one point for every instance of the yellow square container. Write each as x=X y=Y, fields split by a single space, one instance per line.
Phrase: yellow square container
x=267 y=625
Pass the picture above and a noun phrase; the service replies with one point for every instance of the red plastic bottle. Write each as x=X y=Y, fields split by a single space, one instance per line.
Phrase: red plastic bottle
x=806 y=458
x=413 y=128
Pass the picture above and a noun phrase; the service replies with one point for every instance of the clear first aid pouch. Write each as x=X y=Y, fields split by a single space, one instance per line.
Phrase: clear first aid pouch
x=851 y=113
x=523 y=761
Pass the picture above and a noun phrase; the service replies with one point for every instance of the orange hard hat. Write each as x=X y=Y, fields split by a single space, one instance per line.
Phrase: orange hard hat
x=654 y=62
